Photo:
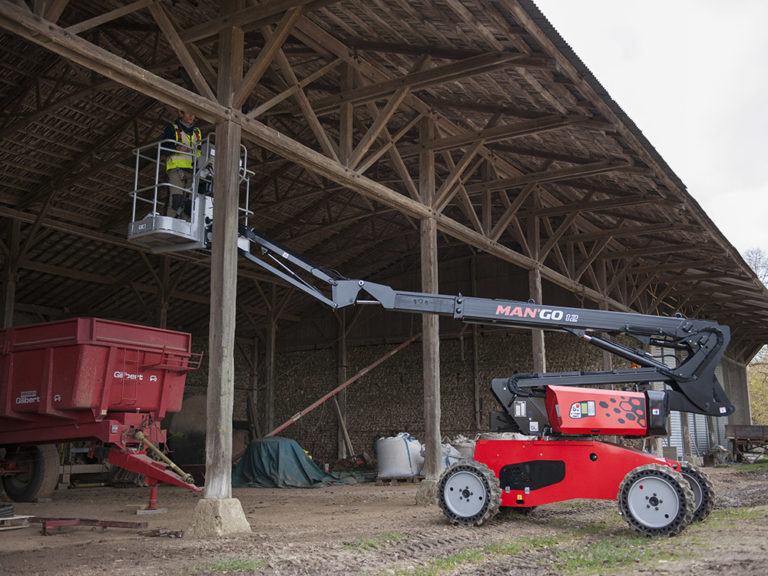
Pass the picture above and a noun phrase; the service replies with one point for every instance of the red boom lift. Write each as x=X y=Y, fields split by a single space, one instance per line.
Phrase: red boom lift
x=561 y=413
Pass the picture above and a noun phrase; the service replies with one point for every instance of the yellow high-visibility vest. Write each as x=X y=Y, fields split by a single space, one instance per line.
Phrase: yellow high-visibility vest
x=191 y=141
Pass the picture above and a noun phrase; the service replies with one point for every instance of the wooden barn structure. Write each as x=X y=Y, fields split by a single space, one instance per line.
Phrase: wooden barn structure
x=386 y=137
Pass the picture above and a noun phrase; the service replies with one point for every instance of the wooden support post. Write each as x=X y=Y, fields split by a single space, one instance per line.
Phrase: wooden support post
x=538 y=347
x=430 y=325
x=346 y=116
x=11 y=272
x=222 y=325
x=269 y=372
x=602 y=278
x=343 y=441
x=218 y=513
x=607 y=356
x=686 y=433
x=253 y=395
x=475 y=350
x=534 y=289
x=164 y=294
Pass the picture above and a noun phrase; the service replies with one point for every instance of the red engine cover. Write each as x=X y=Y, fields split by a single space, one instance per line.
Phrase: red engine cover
x=573 y=410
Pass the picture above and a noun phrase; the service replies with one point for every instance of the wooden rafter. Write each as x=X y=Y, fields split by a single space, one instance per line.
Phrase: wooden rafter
x=389 y=145
x=304 y=104
x=253 y=16
x=53 y=9
x=510 y=212
x=96 y=21
x=267 y=55
x=378 y=126
x=594 y=253
x=604 y=205
x=631 y=231
x=418 y=80
x=165 y=23
x=449 y=186
x=553 y=175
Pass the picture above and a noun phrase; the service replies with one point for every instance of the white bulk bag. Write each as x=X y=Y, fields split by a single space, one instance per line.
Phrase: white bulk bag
x=399 y=456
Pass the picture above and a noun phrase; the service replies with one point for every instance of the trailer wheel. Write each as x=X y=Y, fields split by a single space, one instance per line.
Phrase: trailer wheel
x=656 y=501
x=38 y=472
x=703 y=492
x=468 y=493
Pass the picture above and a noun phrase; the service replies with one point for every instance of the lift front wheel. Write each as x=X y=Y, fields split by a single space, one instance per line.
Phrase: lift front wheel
x=468 y=493
x=703 y=492
x=656 y=501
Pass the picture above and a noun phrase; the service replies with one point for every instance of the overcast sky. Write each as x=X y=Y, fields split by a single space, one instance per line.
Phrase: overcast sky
x=693 y=76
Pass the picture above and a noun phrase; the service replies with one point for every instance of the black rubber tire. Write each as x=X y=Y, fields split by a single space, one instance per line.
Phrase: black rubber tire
x=703 y=492
x=39 y=473
x=662 y=493
x=478 y=483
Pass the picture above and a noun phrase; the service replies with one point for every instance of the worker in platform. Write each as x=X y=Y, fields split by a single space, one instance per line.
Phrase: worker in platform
x=179 y=166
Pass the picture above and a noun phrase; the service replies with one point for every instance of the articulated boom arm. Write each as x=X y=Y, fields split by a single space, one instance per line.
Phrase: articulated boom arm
x=700 y=343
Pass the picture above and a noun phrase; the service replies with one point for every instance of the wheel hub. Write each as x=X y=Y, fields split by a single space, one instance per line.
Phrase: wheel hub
x=465 y=494
x=653 y=501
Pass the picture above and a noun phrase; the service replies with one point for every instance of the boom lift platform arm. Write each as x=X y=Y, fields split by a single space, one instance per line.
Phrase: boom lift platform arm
x=700 y=342
x=657 y=496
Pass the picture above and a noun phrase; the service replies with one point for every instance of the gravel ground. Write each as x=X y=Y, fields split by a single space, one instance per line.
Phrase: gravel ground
x=370 y=529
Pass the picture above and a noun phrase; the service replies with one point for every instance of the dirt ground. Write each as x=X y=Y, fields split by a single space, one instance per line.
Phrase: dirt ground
x=370 y=529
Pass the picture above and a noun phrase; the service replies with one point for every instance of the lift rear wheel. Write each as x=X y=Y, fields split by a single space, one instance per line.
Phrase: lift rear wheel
x=703 y=492
x=38 y=472
x=468 y=493
x=655 y=500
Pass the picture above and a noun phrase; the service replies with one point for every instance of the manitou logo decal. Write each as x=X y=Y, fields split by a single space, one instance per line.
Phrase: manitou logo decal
x=28 y=397
x=528 y=312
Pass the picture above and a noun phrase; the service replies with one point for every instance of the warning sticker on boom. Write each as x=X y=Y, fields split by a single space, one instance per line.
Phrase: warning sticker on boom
x=582 y=409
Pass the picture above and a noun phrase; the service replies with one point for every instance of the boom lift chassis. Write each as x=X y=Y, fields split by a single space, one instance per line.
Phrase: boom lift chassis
x=556 y=415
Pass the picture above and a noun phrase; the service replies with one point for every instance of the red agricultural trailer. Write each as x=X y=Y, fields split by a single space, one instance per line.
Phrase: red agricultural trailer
x=88 y=379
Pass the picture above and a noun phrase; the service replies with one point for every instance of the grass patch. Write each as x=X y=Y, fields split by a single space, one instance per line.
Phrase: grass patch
x=745 y=513
x=761 y=464
x=519 y=545
x=366 y=544
x=566 y=524
x=231 y=565
x=602 y=554
x=609 y=555
x=470 y=556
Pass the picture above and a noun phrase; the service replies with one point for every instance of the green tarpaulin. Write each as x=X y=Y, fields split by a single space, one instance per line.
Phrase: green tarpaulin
x=281 y=463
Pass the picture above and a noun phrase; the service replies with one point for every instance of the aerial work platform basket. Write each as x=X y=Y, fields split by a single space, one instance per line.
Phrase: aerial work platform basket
x=151 y=224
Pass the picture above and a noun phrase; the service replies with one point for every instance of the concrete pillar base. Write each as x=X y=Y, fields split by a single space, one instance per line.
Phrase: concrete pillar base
x=427 y=493
x=216 y=517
